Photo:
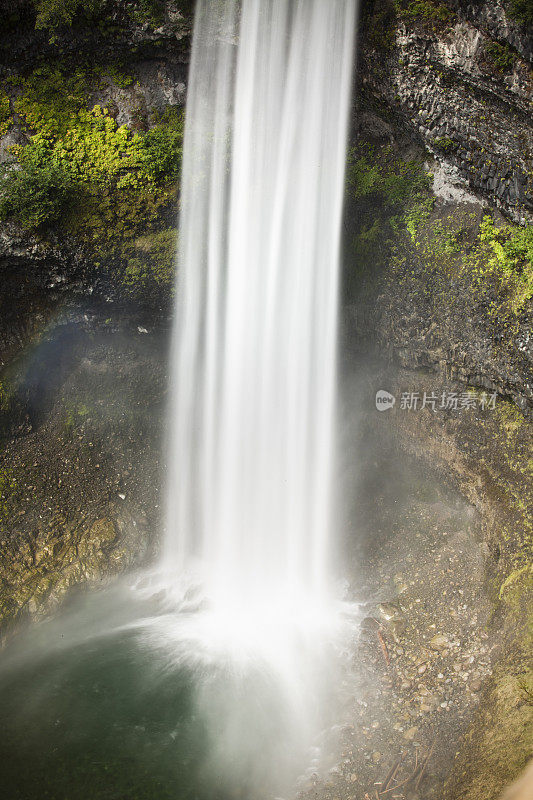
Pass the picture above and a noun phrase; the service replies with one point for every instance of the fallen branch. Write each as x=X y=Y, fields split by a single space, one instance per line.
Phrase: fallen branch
x=390 y=777
x=424 y=764
x=384 y=647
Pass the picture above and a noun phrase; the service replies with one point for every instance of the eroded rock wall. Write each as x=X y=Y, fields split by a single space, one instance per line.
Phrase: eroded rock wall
x=459 y=77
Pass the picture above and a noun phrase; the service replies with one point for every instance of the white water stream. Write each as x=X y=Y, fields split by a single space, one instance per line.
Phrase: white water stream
x=250 y=494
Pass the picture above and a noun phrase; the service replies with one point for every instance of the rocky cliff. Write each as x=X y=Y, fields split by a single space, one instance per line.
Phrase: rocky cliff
x=445 y=89
x=438 y=284
x=459 y=77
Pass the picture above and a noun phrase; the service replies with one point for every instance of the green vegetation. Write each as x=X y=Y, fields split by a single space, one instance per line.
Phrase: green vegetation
x=501 y=56
x=36 y=194
x=496 y=260
x=387 y=195
x=149 y=12
x=521 y=11
x=5 y=113
x=445 y=144
x=52 y=14
x=393 y=223
x=120 y=77
x=88 y=145
x=77 y=155
x=106 y=185
x=5 y=397
x=8 y=485
x=378 y=22
x=395 y=181
x=505 y=253
x=429 y=12
x=75 y=414
x=151 y=260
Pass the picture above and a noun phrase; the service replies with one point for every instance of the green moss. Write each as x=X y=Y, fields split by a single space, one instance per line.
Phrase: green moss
x=378 y=23
x=496 y=261
x=53 y=14
x=148 y=12
x=6 y=119
x=504 y=256
x=502 y=57
x=75 y=413
x=152 y=260
x=497 y=745
x=445 y=144
x=511 y=420
x=120 y=77
x=388 y=198
x=521 y=11
x=517 y=582
x=6 y=393
x=379 y=172
x=8 y=485
x=429 y=12
x=108 y=224
x=76 y=154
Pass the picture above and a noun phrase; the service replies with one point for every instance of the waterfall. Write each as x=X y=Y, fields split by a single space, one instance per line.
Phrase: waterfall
x=250 y=513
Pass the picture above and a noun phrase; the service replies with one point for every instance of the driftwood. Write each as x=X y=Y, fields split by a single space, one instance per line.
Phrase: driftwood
x=391 y=784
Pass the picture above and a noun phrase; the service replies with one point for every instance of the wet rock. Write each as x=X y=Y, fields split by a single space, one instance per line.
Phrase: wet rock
x=439 y=642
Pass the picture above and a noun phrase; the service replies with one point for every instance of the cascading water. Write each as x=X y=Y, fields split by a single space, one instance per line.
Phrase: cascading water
x=214 y=676
x=254 y=357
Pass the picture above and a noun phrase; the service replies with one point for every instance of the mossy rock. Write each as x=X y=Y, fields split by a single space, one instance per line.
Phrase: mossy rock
x=498 y=745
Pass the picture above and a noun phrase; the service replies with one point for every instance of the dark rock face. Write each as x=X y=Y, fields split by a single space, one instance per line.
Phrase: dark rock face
x=80 y=479
x=429 y=317
x=486 y=455
x=134 y=57
x=454 y=89
x=433 y=322
x=119 y=32
x=464 y=89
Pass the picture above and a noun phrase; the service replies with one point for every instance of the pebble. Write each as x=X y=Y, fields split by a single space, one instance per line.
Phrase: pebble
x=410 y=734
x=422 y=668
x=439 y=642
x=475 y=686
